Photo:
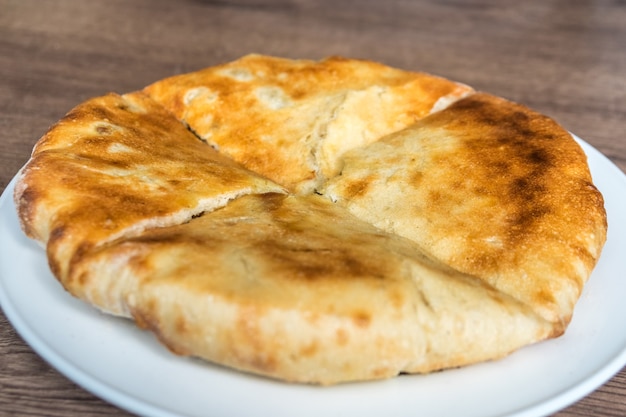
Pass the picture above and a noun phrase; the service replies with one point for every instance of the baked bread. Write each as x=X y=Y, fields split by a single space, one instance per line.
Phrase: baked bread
x=318 y=222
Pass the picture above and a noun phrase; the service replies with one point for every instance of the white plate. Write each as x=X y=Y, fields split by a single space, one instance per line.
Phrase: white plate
x=113 y=359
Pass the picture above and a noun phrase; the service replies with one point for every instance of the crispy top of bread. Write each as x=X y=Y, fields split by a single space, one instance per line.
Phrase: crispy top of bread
x=297 y=288
x=291 y=120
x=318 y=222
x=490 y=188
x=117 y=165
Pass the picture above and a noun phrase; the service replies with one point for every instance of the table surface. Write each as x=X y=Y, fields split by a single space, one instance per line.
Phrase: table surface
x=566 y=59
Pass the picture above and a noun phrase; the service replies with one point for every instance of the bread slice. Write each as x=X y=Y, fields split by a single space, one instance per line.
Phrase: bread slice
x=117 y=165
x=296 y=288
x=291 y=120
x=491 y=189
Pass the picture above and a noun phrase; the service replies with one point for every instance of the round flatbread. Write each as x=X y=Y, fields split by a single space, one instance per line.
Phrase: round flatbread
x=318 y=222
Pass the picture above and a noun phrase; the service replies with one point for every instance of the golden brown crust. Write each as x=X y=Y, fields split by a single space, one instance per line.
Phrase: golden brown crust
x=492 y=189
x=290 y=120
x=454 y=227
x=298 y=289
x=117 y=165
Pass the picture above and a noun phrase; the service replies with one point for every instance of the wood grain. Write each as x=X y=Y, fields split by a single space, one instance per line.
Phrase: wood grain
x=564 y=58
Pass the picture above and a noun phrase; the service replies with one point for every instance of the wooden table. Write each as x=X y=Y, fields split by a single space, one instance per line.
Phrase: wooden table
x=566 y=59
